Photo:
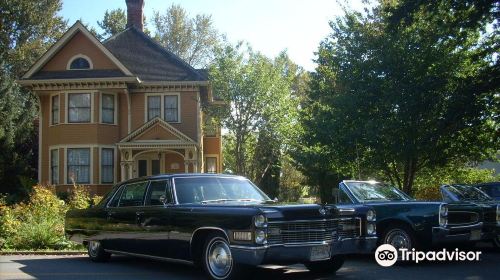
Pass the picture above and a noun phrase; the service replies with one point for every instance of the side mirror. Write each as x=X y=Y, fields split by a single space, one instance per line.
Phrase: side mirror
x=163 y=199
x=275 y=199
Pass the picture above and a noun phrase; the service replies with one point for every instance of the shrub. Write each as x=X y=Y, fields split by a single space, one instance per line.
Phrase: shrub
x=79 y=198
x=35 y=224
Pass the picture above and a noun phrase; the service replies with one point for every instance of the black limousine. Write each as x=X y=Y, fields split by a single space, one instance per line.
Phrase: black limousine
x=222 y=223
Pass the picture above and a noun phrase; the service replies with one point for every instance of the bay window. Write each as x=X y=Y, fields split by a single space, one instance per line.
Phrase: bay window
x=108 y=108
x=107 y=165
x=54 y=166
x=55 y=109
x=79 y=107
x=78 y=165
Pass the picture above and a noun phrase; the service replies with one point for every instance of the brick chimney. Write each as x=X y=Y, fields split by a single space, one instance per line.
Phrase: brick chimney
x=135 y=16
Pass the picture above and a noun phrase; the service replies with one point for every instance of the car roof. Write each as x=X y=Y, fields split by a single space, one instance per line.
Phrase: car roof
x=179 y=175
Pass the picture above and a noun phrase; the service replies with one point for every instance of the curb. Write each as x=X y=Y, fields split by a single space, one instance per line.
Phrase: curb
x=41 y=253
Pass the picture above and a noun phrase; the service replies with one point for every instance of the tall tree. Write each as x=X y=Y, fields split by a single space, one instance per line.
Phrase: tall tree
x=27 y=28
x=260 y=108
x=192 y=39
x=399 y=94
x=114 y=22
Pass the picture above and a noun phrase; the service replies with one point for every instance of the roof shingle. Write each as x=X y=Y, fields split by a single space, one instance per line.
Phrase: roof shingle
x=148 y=60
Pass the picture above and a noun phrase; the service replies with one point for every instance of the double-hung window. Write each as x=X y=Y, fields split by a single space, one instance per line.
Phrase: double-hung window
x=79 y=107
x=108 y=108
x=54 y=166
x=171 y=110
x=78 y=166
x=55 y=109
x=107 y=165
x=154 y=107
x=164 y=106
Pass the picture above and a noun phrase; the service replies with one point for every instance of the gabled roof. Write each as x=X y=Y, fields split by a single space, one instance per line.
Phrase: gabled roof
x=163 y=124
x=77 y=27
x=149 y=60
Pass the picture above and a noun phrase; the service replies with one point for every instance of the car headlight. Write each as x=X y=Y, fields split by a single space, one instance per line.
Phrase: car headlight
x=371 y=216
x=260 y=221
x=443 y=210
x=260 y=236
x=371 y=229
x=443 y=215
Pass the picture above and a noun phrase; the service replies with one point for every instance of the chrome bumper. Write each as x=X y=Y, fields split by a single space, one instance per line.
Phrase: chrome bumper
x=457 y=233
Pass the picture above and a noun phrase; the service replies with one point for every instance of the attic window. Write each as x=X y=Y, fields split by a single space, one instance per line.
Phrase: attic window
x=80 y=62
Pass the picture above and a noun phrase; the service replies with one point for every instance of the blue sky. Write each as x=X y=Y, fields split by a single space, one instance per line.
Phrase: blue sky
x=269 y=26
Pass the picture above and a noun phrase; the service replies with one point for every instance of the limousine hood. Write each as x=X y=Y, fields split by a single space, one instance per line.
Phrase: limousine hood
x=297 y=211
x=279 y=211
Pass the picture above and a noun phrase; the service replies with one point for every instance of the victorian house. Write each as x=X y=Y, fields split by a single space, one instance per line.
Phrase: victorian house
x=119 y=109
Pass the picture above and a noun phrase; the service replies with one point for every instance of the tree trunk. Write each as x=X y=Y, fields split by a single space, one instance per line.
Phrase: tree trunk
x=409 y=175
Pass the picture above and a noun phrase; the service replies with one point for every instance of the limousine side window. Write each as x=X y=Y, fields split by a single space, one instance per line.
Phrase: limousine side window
x=133 y=194
x=158 y=192
x=116 y=198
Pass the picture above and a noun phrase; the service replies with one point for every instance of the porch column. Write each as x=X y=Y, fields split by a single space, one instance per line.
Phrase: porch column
x=130 y=170
x=186 y=166
x=122 y=171
x=195 y=166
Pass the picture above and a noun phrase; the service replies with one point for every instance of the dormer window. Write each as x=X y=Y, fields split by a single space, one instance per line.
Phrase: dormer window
x=79 y=62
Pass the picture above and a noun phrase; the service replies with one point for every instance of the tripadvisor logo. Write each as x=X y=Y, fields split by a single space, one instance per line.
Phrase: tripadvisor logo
x=386 y=255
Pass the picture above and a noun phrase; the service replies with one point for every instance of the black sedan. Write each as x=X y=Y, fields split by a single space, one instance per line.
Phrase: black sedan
x=222 y=223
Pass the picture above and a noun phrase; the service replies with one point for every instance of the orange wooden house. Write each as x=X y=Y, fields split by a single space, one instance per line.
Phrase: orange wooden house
x=119 y=109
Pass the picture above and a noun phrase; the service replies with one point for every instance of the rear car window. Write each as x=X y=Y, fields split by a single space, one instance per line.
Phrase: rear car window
x=133 y=194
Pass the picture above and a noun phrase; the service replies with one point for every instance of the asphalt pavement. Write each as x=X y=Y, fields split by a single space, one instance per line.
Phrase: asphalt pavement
x=119 y=267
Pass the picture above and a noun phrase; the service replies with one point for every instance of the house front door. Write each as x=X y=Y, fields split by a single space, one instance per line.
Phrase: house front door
x=148 y=164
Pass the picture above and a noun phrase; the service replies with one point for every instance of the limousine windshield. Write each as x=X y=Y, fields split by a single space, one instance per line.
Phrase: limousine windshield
x=216 y=190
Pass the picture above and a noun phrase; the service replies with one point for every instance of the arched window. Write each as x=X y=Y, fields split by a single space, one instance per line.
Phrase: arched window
x=80 y=62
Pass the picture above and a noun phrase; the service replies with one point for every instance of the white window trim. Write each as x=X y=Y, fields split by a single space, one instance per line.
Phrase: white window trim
x=115 y=117
x=92 y=105
x=79 y=56
x=115 y=162
x=91 y=166
x=218 y=166
x=58 y=165
x=50 y=109
x=162 y=105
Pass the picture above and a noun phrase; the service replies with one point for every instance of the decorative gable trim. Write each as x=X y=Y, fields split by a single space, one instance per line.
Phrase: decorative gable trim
x=78 y=26
x=164 y=125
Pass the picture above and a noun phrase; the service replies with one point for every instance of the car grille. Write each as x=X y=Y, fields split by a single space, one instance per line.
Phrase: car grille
x=462 y=218
x=349 y=228
x=291 y=232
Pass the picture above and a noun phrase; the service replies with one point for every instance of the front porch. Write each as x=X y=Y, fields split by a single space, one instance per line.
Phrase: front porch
x=145 y=160
x=156 y=148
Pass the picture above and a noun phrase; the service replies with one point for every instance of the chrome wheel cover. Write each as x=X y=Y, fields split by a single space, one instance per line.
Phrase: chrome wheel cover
x=398 y=238
x=94 y=247
x=219 y=259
